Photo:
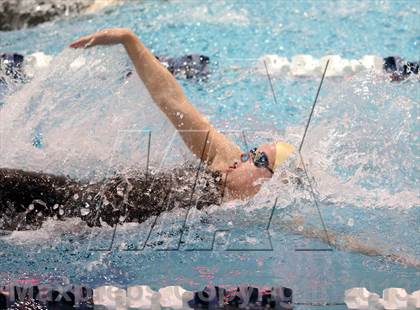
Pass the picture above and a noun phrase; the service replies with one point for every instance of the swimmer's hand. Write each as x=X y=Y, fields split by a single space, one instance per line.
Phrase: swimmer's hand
x=103 y=37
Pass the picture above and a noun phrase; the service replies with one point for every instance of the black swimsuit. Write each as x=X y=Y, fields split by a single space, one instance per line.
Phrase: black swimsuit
x=28 y=198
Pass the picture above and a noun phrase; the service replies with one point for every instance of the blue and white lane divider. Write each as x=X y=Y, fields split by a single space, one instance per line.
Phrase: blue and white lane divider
x=297 y=66
x=176 y=297
x=142 y=297
x=308 y=66
x=392 y=298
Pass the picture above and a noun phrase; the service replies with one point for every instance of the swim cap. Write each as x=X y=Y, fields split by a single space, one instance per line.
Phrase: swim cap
x=283 y=150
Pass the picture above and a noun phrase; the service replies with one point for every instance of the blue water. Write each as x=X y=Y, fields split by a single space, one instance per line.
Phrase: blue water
x=363 y=146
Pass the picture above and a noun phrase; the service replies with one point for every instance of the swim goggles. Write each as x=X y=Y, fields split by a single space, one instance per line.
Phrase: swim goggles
x=260 y=159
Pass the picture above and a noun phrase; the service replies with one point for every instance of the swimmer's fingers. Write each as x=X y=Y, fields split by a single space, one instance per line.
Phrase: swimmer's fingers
x=103 y=37
x=98 y=38
x=83 y=42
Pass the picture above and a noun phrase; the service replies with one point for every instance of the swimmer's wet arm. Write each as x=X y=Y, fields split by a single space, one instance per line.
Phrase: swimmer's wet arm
x=194 y=128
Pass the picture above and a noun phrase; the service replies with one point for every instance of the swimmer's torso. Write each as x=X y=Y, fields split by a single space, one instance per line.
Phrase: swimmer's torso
x=28 y=198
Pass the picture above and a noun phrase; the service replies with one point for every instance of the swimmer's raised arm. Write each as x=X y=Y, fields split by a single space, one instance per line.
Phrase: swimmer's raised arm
x=220 y=152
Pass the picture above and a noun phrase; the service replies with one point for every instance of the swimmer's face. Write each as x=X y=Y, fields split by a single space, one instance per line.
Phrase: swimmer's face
x=245 y=179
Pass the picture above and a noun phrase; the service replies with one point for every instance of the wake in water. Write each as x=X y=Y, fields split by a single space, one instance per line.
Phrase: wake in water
x=90 y=122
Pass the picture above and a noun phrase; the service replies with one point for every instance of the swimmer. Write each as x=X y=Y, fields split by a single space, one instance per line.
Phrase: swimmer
x=242 y=171
x=226 y=173
x=399 y=69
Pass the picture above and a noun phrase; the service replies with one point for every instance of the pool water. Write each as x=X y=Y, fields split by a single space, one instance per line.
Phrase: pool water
x=81 y=117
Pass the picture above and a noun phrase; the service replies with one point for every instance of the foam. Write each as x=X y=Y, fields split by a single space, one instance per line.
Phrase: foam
x=36 y=62
x=51 y=231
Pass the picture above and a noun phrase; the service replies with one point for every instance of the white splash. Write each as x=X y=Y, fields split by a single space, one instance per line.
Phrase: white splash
x=83 y=116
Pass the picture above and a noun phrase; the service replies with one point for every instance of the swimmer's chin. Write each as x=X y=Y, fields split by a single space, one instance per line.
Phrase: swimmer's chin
x=243 y=192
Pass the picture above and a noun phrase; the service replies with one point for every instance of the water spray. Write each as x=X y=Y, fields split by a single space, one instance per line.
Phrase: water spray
x=300 y=149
